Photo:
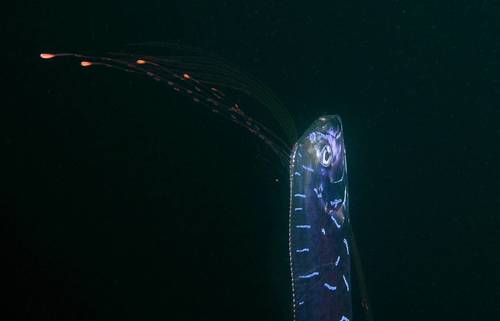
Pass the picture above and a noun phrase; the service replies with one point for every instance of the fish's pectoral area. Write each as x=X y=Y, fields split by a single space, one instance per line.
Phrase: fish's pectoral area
x=333 y=208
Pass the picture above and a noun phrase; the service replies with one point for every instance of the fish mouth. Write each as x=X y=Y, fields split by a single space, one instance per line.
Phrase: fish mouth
x=331 y=124
x=326 y=125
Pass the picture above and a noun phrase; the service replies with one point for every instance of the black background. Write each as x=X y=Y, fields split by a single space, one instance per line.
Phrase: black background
x=124 y=201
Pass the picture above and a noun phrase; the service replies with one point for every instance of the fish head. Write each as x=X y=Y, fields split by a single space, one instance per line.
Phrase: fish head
x=324 y=144
x=323 y=157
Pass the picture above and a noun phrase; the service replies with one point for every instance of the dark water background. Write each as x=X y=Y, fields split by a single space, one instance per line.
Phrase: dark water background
x=124 y=201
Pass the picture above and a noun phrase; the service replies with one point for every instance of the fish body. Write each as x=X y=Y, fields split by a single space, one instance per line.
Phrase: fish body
x=319 y=230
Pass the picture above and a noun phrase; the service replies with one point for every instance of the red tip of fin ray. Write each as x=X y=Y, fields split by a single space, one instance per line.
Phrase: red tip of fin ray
x=47 y=55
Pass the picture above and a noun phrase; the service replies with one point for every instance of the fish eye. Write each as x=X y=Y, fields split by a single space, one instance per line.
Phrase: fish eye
x=326 y=156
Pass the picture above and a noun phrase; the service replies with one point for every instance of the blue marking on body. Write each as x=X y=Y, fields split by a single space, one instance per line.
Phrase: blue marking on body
x=344 y=319
x=301 y=302
x=345 y=281
x=330 y=287
x=307 y=168
x=308 y=276
x=323 y=231
x=300 y=195
x=296 y=174
x=337 y=262
x=302 y=250
x=303 y=226
x=335 y=221
x=346 y=246
x=297 y=209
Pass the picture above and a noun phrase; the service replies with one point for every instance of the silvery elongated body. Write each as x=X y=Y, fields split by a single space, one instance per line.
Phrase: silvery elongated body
x=319 y=224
